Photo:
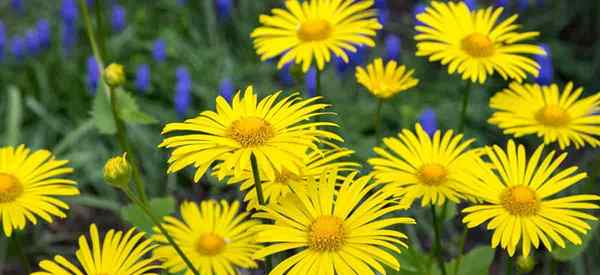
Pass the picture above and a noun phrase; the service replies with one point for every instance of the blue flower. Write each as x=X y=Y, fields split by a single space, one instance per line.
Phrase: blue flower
x=92 y=75
x=43 y=31
x=419 y=8
x=226 y=89
x=17 y=47
x=472 y=4
x=310 y=80
x=17 y=5
x=223 y=8
x=142 y=78
x=159 y=50
x=522 y=5
x=429 y=121
x=69 y=37
x=501 y=3
x=546 y=68
x=32 y=42
x=118 y=18
x=393 y=46
x=68 y=12
x=2 y=39
x=285 y=75
x=382 y=11
x=354 y=59
x=183 y=89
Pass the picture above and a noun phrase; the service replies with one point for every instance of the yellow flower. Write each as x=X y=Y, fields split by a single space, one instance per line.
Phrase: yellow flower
x=418 y=166
x=543 y=110
x=343 y=232
x=472 y=44
x=276 y=132
x=215 y=238
x=385 y=81
x=29 y=185
x=516 y=196
x=114 y=75
x=315 y=28
x=118 y=253
x=117 y=171
x=315 y=162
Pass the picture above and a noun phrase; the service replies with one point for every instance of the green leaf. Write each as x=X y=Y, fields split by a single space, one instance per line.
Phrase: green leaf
x=412 y=262
x=130 y=111
x=102 y=114
x=446 y=213
x=476 y=262
x=13 y=117
x=571 y=251
x=160 y=207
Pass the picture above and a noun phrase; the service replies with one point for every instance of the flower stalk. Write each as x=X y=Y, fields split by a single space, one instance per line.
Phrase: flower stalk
x=437 y=245
x=260 y=196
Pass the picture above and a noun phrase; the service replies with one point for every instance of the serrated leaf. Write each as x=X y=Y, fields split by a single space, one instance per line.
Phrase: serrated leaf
x=102 y=114
x=160 y=207
x=571 y=251
x=130 y=111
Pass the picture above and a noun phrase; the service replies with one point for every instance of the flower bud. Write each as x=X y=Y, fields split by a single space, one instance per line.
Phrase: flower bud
x=117 y=171
x=525 y=264
x=114 y=75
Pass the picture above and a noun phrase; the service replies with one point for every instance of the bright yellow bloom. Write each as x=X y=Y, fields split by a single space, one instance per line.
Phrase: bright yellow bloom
x=215 y=238
x=114 y=75
x=29 y=185
x=276 y=132
x=315 y=162
x=315 y=28
x=341 y=232
x=472 y=44
x=416 y=165
x=516 y=196
x=543 y=110
x=118 y=253
x=385 y=81
x=117 y=171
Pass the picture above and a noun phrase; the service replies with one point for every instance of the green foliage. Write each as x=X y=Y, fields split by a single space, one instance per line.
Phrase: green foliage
x=571 y=251
x=160 y=207
x=128 y=109
x=13 y=116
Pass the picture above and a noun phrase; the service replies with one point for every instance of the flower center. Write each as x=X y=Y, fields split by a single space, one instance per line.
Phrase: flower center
x=210 y=244
x=478 y=45
x=552 y=115
x=520 y=201
x=314 y=30
x=251 y=131
x=326 y=233
x=10 y=188
x=433 y=174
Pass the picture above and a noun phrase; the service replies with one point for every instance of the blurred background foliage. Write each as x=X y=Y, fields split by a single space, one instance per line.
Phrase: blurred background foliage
x=179 y=55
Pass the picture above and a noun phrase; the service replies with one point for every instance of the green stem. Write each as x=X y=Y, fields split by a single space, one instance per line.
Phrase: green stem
x=21 y=254
x=465 y=106
x=318 y=86
x=461 y=246
x=162 y=230
x=260 y=196
x=377 y=118
x=437 y=246
x=509 y=265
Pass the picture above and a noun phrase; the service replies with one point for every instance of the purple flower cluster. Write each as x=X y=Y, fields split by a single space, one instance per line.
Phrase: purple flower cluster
x=183 y=92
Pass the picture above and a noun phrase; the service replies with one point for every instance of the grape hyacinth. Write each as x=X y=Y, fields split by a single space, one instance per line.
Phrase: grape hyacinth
x=159 y=50
x=285 y=75
x=18 y=48
x=32 y=42
x=118 y=18
x=223 y=8
x=17 y=5
x=472 y=4
x=310 y=80
x=43 y=31
x=354 y=59
x=92 y=75
x=428 y=120
x=393 y=46
x=183 y=89
x=2 y=40
x=546 y=67
x=382 y=11
x=68 y=12
x=142 y=78
x=226 y=89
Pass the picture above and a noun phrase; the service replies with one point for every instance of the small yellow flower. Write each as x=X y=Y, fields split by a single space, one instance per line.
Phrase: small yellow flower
x=385 y=81
x=117 y=171
x=114 y=75
x=525 y=264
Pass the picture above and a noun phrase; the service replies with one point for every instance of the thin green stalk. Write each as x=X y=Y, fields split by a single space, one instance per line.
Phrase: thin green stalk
x=260 y=196
x=437 y=246
x=318 y=85
x=465 y=106
x=377 y=118
x=509 y=265
x=461 y=246
x=162 y=230
x=21 y=254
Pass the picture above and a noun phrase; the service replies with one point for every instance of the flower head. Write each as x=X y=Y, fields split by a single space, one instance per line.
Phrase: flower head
x=117 y=252
x=223 y=8
x=315 y=29
x=415 y=165
x=343 y=232
x=43 y=31
x=183 y=92
x=555 y=116
x=393 y=47
x=472 y=44
x=32 y=42
x=118 y=18
x=385 y=81
x=2 y=39
x=310 y=81
x=428 y=119
x=276 y=131
x=29 y=185
x=516 y=193
x=159 y=50
x=546 y=67
x=214 y=236
x=92 y=75
x=226 y=89
x=114 y=75
x=117 y=171
x=17 y=47
x=142 y=78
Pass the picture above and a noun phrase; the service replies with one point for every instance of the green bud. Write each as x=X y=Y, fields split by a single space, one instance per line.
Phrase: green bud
x=114 y=75
x=117 y=171
x=525 y=264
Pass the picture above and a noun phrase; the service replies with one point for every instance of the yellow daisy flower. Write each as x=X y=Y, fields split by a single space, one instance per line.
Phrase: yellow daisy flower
x=276 y=132
x=29 y=184
x=543 y=110
x=315 y=28
x=118 y=253
x=472 y=44
x=418 y=166
x=385 y=81
x=516 y=199
x=315 y=162
x=215 y=238
x=341 y=232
